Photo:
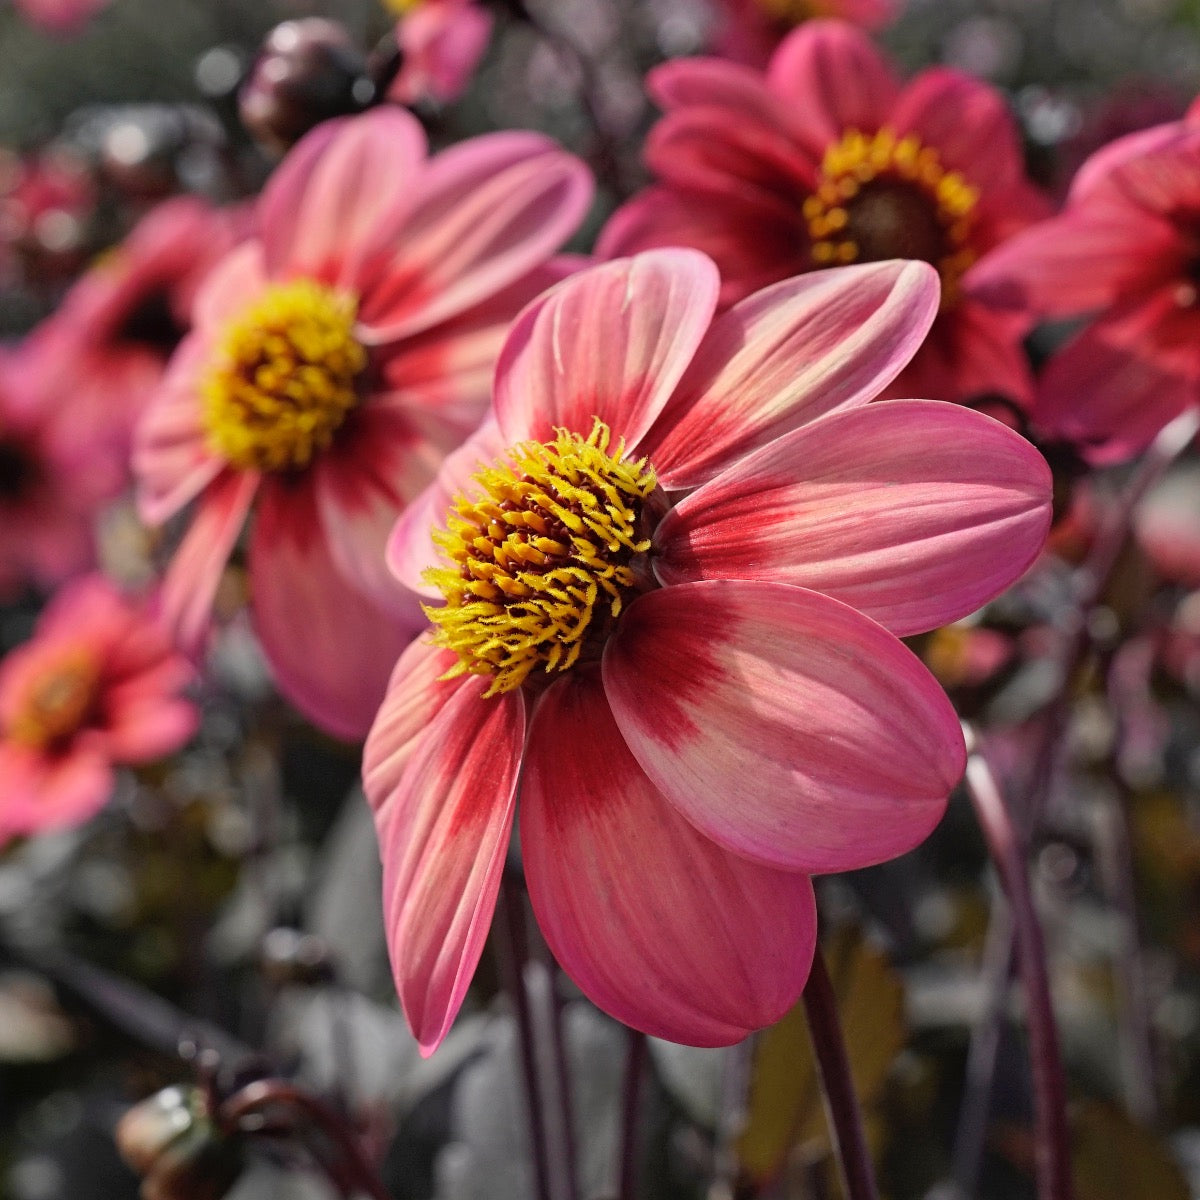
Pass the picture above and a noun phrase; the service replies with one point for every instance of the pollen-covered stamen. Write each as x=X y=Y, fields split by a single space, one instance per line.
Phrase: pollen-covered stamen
x=543 y=559
x=58 y=701
x=884 y=197
x=284 y=378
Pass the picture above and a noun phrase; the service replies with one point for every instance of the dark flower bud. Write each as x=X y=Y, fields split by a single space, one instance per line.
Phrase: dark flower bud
x=170 y=1140
x=307 y=71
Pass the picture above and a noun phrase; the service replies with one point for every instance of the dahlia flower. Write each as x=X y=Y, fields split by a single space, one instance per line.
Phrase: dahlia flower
x=335 y=357
x=1124 y=248
x=667 y=578
x=441 y=43
x=748 y=31
x=826 y=159
x=97 y=685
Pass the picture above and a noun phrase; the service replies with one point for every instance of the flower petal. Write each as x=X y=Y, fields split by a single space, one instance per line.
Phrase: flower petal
x=787 y=355
x=913 y=512
x=343 y=188
x=610 y=342
x=659 y=926
x=443 y=835
x=190 y=585
x=832 y=79
x=487 y=212
x=330 y=646
x=784 y=725
x=688 y=82
x=226 y=290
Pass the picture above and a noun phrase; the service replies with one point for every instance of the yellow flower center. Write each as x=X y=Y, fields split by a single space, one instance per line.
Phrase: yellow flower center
x=793 y=12
x=284 y=377
x=402 y=7
x=885 y=197
x=57 y=702
x=543 y=559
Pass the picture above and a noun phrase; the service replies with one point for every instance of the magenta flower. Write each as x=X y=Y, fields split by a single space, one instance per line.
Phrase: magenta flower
x=335 y=358
x=97 y=686
x=60 y=16
x=441 y=42
x=676 y=562
x=748 y=31
x=827 y=159
x=1125 y=249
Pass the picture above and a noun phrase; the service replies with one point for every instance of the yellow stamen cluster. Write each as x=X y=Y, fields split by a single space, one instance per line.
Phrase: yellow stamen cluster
x=540 y=562
x=792 y=12
x=284 y=377
x=857 y=163
x=57 y=702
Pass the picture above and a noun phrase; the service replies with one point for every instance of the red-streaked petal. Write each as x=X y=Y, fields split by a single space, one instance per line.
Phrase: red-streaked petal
x=785 y=725
x=171 y=457
x=913 y=512
x=833 y=79
x=966 y=122
x=657 y=924
x=415 y=695
x=787 y=355
x=610 y=342
x=488 y=211
x=344 y=187
x=410 y=549
x=187 y=592
x=330 y=646
x=443 y=835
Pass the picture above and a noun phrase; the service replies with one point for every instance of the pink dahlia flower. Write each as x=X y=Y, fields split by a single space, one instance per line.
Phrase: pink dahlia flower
x=105 y=348
x=748 y=31
x=97 y=686
x=335 y=358
x=674 y=565
x=1125 y=249
x=827 y=159
x=53 y=478
x=441 y=42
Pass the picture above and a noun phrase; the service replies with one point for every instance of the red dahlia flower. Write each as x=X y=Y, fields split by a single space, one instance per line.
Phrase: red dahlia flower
x=826 y=159
x=336 y=357
x=675 y=563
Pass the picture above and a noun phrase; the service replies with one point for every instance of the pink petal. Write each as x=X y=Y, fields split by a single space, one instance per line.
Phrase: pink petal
x=171 y=456
x=339 y=193
x=1096 y=171
x=659 y=926
x=486 y=212
x=416 y=693
x=610 y=342
x=1115 y=385
x=330 y=646
x=832 y=79
x=56 y=793
x=150 y=730
x=1084 y=260
x=380 y=462
x=787 y=355
x=410 y=549
x=787 y=727
x=227 y=289
x=967 y=122
x=443 y=835
x=749 y=245
x=713 y=81
x=191 y=582
x=913 y=512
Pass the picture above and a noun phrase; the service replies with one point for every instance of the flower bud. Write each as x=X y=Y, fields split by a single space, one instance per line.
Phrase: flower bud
x=307 y=71
x=171 y=1142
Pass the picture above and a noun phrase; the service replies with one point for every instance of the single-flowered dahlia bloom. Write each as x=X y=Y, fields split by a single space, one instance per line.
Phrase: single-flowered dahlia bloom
x=827 y=159
x=441 y=43
x=97 y=686
x=667 y=580
x=336 y=357
x=1126 y=249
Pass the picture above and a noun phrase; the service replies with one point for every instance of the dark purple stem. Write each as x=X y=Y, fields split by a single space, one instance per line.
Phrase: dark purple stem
x=635 y=1066
x=349 y=1171
x=837 y=1085
x=513 y=954
x=1053 y=1158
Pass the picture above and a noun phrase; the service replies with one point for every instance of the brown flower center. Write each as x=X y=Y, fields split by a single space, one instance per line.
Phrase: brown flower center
x=57 y=702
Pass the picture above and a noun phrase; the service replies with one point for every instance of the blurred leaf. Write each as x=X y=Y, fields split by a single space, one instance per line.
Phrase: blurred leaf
x=785 y=1109
x=1115 y=1159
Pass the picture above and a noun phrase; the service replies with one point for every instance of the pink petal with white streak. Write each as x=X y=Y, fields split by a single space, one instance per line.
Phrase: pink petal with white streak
x=659 y=926
x=786 y=726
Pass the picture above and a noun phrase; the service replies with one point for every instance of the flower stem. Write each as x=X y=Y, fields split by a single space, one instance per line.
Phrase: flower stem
x=1049 y=1085
x=837 y=1085
x=635 y=1064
